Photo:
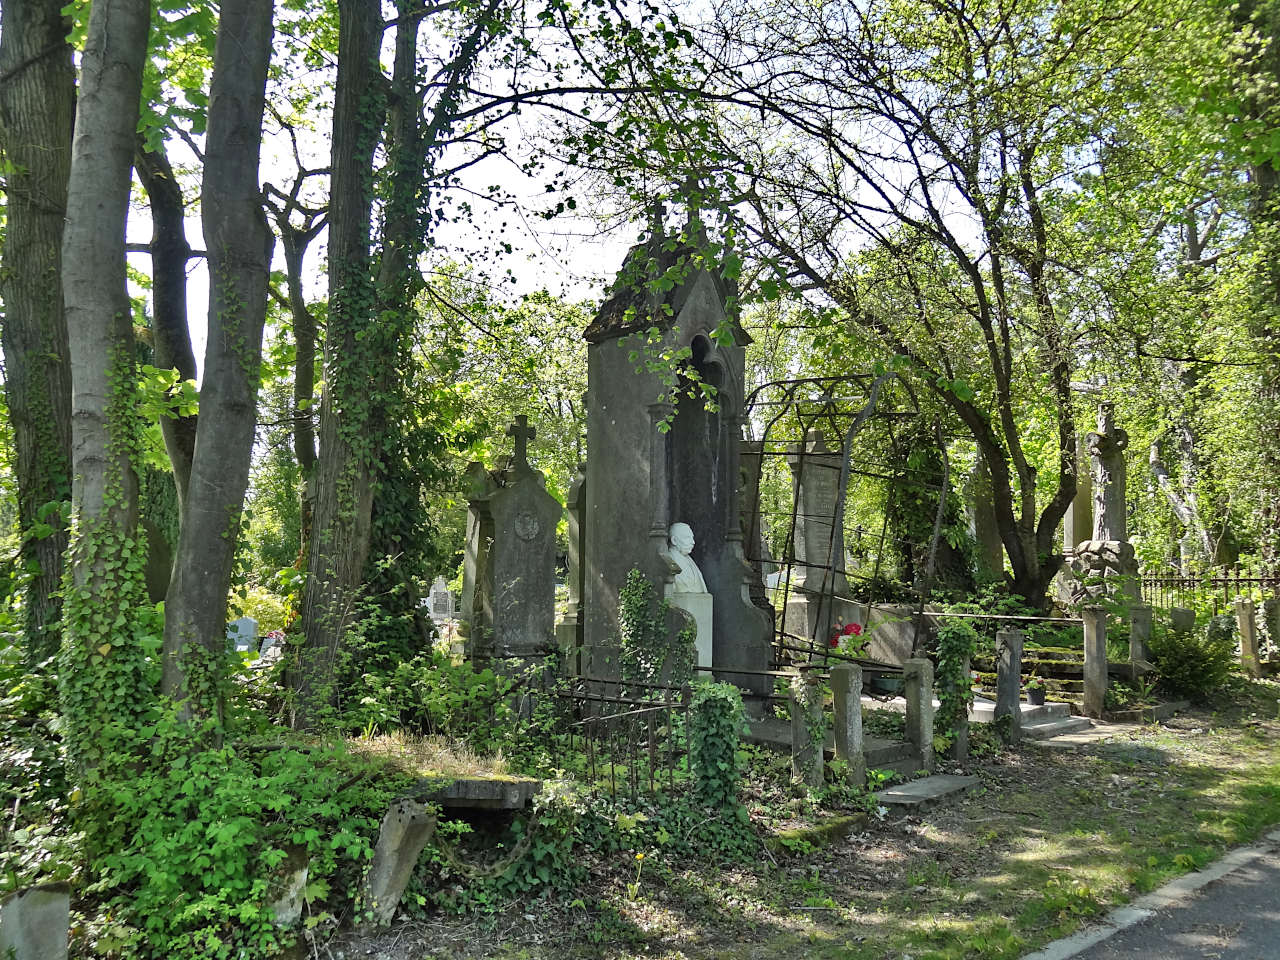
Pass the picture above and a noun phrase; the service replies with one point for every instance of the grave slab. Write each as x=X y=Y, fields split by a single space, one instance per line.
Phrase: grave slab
x=926 y=792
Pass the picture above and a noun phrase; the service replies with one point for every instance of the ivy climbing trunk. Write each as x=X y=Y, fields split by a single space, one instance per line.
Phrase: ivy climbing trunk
x=239 y=251
x=341 y=521
x=101 y=672
x=37 y=108
x=169 y=255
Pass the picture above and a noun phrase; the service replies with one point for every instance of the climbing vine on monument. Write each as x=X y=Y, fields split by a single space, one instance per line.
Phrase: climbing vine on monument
x=650 y=653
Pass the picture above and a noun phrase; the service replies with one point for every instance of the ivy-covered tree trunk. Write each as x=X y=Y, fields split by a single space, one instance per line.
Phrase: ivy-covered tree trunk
x=239 y=250
x=101 y=677
x=37 y=109
x=343 y=479
x=169 y=255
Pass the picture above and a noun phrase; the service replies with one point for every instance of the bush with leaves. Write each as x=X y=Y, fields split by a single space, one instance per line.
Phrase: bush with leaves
x=957 y=641
x=190 y=861
x=715 y=726
x=650 y=653
x=1195 y=664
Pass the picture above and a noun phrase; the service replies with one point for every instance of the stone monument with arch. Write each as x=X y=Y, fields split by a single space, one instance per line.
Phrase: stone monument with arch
x=661 y=450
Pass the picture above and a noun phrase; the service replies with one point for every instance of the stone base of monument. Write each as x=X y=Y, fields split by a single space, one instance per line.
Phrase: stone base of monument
x=813 y=616
x=699 y=606
x=1102 y=569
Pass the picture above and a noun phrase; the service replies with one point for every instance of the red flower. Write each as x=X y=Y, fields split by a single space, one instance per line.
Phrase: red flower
x=853 y=629
x=835 y=641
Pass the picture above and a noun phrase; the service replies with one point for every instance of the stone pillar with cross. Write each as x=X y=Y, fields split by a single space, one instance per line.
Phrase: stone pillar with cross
x=509 y=573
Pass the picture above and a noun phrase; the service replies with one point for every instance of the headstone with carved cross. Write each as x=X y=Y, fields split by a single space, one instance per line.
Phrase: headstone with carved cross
x=508 y=595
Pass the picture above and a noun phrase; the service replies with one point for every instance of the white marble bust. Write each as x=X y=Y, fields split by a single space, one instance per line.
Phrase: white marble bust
x=689 y=578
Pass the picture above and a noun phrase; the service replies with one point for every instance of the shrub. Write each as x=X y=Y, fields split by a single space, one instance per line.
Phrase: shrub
x=1196 y=664
x=197 y=835
x=715 y=724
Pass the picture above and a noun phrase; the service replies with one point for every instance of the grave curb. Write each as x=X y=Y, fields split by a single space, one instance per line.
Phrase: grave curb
x=1172 y=894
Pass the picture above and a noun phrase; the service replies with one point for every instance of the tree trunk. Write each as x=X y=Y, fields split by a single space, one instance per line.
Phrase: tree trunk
x=101 y=673
x=239 y=250
x=169 y=255
x=37 y=109
x=343 y=475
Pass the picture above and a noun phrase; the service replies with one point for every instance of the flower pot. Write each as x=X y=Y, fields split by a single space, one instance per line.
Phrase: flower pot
x=1035 y=696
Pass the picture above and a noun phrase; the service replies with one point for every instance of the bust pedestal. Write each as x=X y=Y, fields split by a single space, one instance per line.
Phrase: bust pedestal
x=698 y=606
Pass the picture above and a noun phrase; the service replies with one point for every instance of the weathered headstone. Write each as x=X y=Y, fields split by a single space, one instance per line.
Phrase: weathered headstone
x=653 y=462
x=1009 y=681
x=982 y=514
x=1182 y=620
x=819 y=588
x=1247 y=625
x=440 y=601
x=509 y=563
x=405 y=830
x=1095 y=660
x=1140 y=635
x=35 y=923
x=242 y=634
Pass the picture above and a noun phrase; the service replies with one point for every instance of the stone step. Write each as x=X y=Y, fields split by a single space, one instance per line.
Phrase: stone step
x=926 y=792
x=984 y=711
x=1045 y=729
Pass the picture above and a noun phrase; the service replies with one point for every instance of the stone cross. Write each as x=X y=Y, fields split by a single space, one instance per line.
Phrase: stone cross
x=522 y=433
x=1107 y=448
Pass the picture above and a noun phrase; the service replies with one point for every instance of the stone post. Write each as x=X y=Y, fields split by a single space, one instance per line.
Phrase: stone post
x=917 y=681
x=1271 y=617
x=808 y=729
x=1095 y=660
x=846 y=692
x=1139 y=633
x=1247 y=622
x=1009 y=682
x=959 y=749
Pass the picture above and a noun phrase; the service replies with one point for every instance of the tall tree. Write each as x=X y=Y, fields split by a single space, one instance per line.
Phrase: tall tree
x=37 y=109
x=101 y=675
x=239 y=253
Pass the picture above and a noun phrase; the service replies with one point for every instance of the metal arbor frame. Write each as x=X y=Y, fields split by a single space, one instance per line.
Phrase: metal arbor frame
x=850 y=407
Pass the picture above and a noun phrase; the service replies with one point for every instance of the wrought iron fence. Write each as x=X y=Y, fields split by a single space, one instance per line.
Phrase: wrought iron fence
x=1212 y=591
x=629 y=739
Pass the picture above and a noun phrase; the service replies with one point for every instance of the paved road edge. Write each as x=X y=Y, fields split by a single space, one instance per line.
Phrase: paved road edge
x=1170 y=895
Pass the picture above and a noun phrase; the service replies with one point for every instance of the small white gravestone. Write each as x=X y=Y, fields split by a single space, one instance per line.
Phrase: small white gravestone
x=688 y=590
x=243 y=635
x=441 y=601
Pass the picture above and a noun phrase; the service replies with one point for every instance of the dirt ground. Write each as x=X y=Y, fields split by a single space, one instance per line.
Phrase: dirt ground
x=1053 y=836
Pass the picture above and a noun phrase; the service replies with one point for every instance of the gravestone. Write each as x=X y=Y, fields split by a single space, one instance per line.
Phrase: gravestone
x=242 y=634
x=1106 y=566
x=440 y=601
x=658 y=456
x=508 y=593
x=820 y=590
x=569 y=631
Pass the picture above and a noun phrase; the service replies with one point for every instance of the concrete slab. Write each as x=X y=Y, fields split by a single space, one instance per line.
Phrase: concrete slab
x=1045 y=729
x=926 y=792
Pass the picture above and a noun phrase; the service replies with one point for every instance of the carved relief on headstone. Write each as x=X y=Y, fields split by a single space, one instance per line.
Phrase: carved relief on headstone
x=1106 y=566
x=509 y=564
